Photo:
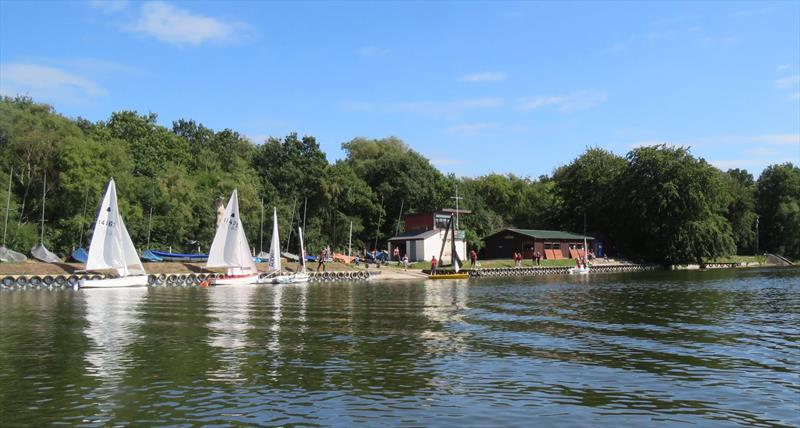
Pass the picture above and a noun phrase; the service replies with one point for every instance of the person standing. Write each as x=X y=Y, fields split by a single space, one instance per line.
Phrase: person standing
x=405 y=262
x=434 y=262
x=321 y=260
x=396 y=254
x=473 y=258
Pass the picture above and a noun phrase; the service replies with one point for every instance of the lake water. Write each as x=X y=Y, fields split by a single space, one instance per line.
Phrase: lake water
x=658 y=348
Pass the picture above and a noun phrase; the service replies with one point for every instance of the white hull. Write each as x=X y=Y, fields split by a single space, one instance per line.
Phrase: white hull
x=579 y=271
x=125 y=281
x=235 y=280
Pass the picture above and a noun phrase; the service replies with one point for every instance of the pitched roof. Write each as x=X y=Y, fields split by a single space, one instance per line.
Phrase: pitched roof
x=415 y=234
x=546 y=234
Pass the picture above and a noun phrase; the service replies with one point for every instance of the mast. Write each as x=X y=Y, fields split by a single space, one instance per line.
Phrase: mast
x=585 y=247
x=302 y=250
x=149 y=224
x=8 y=205
x=305 y=207
x=378 y=230
x=44 y=190
x=456 y=197
x=83 y=217
x=261 y=228
x=289 y=235
x=350 y=241
x=399 y=216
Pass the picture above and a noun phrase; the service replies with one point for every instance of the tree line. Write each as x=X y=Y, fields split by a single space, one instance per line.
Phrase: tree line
x=658 y=203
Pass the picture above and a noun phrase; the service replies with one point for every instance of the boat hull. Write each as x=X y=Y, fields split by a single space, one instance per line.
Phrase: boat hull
x=296 y=278
x=122 y=282
x=579 y=271
x=235 y=280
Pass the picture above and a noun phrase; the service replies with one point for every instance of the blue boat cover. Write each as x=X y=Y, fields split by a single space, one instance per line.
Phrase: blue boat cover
x=166 y=255
x=150 y=257
x=80 y=255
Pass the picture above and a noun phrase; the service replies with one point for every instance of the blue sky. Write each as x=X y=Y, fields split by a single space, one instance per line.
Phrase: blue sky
x=476 y=87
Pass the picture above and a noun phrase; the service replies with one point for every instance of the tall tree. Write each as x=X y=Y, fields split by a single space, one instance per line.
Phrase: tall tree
x=673 y=207
x=587 y=187
x=741 y=210
x=778 y=202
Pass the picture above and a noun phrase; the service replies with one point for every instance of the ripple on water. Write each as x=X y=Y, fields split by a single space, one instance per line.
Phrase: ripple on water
x=702 y=348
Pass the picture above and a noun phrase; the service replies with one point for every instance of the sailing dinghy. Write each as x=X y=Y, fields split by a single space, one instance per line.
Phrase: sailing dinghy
x=112 y=248
x=231 y=250
x=297 y=277
x=275 y=255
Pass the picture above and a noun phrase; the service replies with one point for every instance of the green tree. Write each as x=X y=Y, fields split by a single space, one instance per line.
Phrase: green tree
x=400 y=177
x=778 y=202
x=672 y=207
x=588 y=186
x=741 y=210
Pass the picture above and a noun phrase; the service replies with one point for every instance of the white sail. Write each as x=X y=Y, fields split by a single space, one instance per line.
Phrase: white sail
x=275 y=245
x=230 y=248
x=111 y=246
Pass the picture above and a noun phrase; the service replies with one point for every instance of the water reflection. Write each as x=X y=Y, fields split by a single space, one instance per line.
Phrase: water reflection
x=112 y=317
x=230 y=311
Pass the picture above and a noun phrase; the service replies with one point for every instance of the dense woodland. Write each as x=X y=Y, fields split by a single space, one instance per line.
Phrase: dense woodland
x=657 y=203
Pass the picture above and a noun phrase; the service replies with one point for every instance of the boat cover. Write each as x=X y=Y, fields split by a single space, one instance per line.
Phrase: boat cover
x=11 y=256
x=42 y=254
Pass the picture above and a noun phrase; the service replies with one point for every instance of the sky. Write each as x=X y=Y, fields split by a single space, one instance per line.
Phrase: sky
x=476 y=87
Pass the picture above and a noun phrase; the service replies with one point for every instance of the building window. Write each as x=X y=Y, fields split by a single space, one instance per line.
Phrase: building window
x=440 y=221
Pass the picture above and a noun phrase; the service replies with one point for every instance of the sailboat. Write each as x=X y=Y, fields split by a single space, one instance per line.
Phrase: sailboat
x=297 y=277
x=274 y=257
x=231 y=250
x=7 y=255
x=112 y=248
x=40 y=252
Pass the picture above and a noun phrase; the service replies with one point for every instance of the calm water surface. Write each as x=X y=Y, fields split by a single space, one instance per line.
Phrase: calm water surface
x=664 y=348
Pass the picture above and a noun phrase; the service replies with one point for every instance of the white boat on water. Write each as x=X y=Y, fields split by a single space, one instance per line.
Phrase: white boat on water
x=112 y=248
x=231 y=250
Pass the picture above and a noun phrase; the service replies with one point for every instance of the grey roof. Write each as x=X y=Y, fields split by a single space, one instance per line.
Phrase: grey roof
x=415 y=235
x=545 y=234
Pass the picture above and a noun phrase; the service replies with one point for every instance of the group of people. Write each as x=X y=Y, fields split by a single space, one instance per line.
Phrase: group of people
x=536 y=258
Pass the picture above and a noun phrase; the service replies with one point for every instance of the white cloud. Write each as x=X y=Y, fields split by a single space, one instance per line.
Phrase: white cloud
x=449 y=109
x=488 y=76
x=102 y=67
x=470 y=129
x=787 y=82
x=783 y=67
x=181 y=27
x=372 y=51
x=48 y=83
x=780 y=139
x=565 y=103
x=109 y=6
